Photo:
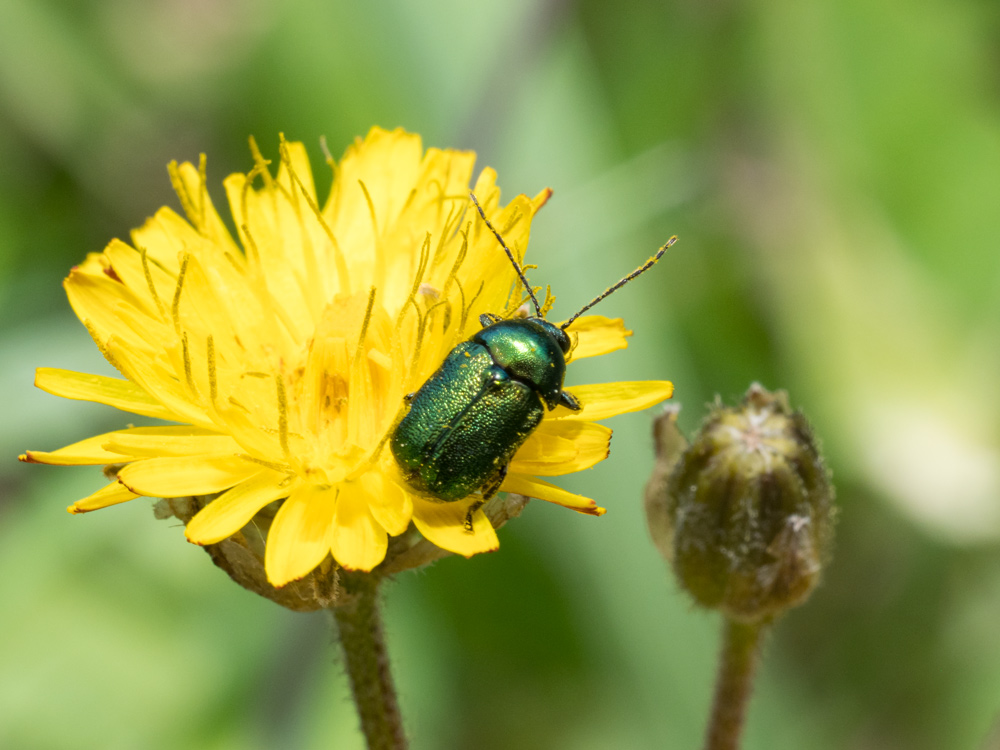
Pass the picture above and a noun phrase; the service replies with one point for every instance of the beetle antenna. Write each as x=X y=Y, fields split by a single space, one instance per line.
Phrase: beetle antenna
x=640 y=270
x=510 y=255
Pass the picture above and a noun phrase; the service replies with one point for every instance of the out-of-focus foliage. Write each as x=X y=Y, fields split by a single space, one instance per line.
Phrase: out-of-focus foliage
x=833 y=170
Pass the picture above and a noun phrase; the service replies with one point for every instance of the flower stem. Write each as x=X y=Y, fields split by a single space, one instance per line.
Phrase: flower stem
x=367 y=661
x=733 y=684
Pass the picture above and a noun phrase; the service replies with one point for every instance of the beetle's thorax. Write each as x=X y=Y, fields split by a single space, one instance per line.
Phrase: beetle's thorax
x=529 y=351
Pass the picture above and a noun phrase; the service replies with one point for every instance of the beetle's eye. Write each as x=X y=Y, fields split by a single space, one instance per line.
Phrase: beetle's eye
x=563 y=339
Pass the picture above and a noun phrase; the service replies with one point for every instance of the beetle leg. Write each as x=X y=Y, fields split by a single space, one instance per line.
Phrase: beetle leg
x=408 y=398
x=494 y=487
x=488 y=319
x=472 y=510
x=488 y=492
x=570 y=401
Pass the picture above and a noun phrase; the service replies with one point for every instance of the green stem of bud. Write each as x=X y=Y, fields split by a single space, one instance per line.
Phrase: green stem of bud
x=367 y=661
x=733 y=685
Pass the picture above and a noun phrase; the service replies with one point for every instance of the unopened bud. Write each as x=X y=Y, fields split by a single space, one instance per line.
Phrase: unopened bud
x=745 y=512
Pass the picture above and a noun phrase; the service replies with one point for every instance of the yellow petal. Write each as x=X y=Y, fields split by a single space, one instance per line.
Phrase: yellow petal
x=233 y=509
x=121 y=394
x=300 y=535
x=444 y=525
x=94 y=264
x=277 y=271
x=84 y=453
x=147 y=278
x=220 y=301
x=182 y=477
x=172 y=440
x=151 y=376
x=164 y=237
x=295 y=160
x=193 y=194
x=357 y=542
x=105 y=304
x=593 y=335
x=362 y=424
x=438 y=199
x=603 y=400
x=388 y=502
x=541 y=199
x=492 y=265
x=208 y=297
x=387 y=188
x=532 y=487
x=561 y=447
x=111 y=494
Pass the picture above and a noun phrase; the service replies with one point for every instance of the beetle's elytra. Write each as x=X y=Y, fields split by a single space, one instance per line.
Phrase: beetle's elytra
x=467 y=421
x=462 y=428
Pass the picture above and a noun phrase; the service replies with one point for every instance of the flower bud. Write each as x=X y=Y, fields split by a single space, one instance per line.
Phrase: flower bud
x=745 y=513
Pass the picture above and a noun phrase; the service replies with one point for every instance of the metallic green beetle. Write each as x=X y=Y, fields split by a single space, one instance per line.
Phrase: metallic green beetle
x=464 y=425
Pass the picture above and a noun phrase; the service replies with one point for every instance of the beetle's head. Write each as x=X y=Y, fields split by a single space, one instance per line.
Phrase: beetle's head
x=555 y=332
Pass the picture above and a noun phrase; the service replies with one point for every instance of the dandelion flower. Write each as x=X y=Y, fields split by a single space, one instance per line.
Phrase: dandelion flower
x=282 y=354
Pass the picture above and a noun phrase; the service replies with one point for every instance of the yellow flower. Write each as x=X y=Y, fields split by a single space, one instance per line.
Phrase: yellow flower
x=283 y=354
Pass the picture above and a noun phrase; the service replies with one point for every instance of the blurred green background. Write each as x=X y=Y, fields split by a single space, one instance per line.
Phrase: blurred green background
x=833 y=171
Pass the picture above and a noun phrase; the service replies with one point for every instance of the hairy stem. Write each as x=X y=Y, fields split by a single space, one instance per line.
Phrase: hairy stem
x=733 y=685
x=367 y=662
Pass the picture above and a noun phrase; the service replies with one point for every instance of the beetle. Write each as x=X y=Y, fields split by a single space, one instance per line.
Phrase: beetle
x=460 y=430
